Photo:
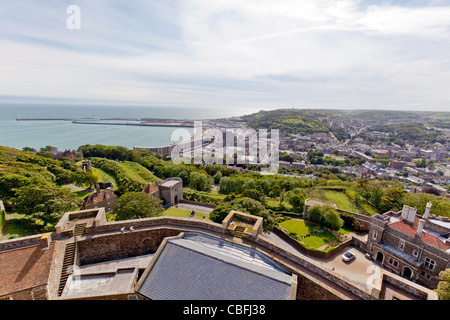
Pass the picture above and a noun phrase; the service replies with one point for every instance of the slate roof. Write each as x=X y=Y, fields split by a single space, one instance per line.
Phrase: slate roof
x=200 y=267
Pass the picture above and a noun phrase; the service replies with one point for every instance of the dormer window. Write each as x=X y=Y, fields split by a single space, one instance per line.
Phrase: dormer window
x=401 y=245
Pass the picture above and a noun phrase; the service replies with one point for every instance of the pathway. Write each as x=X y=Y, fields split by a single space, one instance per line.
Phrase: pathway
x=75 y=188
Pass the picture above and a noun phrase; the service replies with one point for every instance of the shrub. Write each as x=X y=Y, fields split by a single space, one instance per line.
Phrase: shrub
x=325 y=215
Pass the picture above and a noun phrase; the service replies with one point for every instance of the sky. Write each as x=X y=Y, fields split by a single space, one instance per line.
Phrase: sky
x=266 y=54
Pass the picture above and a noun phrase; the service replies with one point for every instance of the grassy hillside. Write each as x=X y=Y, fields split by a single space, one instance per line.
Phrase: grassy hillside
x=295 y=121
x=343 y=198
x=104 y=177
x=129 y=176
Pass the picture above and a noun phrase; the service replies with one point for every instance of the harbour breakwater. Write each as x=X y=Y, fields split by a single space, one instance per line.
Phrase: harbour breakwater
x=149 y=122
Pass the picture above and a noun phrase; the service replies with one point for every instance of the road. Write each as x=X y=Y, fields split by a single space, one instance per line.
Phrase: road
x=360 y=270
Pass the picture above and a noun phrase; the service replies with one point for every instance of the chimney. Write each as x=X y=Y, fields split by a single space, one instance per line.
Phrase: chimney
x=405 y=212
x=426 y=215
x=97 y=188
x=412 y=215
x=420 y=228
x=45 y=241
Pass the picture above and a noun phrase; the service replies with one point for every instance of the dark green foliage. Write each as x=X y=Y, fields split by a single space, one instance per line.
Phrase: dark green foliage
x=44 y=204
x=246 y=205
x=135 y=205
x=325 y=215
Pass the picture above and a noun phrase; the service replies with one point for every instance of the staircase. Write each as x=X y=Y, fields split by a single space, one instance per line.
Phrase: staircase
x=239 y=231
x=67 y=268
x=79 y=229
x=69 y=257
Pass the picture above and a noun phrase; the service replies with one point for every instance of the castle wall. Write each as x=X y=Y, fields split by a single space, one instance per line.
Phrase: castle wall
x=121 y=245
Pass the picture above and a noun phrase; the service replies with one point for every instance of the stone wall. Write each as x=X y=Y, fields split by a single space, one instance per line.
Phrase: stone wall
x=208 y=205
x=19 y=242
x=36 y=293
x=310 y=290
x=119 y=245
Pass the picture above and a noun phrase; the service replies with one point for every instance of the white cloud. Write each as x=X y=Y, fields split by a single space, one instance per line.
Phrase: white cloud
x=231 y=52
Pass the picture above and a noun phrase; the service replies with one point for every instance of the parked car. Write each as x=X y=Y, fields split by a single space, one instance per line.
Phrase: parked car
x=348 y=256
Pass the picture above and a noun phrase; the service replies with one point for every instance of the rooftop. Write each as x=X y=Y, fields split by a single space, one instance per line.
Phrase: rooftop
x=169 y=183
x=200 y=267
x=427 y=237
x=24 y=268
x=105 y=278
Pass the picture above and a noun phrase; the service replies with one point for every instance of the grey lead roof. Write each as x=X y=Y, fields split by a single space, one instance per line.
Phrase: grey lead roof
x=200 y=267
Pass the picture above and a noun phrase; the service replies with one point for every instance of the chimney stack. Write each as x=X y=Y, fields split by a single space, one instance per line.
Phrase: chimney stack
x=426 y=215
x=45 y=241
x=420 y=228
x=405 y=212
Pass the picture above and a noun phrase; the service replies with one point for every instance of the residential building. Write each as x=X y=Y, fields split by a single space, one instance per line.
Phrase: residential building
x=415 y=247
x=101 y=199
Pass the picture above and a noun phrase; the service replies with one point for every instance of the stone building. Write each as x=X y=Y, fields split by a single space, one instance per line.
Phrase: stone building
x=170 y=191
x=414 y=247
x=105 y=198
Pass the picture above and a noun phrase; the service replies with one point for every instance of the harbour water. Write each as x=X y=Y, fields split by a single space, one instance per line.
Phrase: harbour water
x=67 y=135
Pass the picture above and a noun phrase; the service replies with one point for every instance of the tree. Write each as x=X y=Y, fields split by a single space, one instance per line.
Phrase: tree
x=422 y=163
x=297 y=199
x=84 y=178
x=253 y=194
x=219 y=213
x=44 y=205
x=325 y=215
x=136 y=205
x=200 y=181
x=217 y=176
x=255 y=208
x=332 y=218
x=443 y=289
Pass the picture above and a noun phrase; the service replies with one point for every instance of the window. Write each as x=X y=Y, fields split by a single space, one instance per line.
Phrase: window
x=415 y=253
x=401 y=245
x=393 y=262
x=94 y=199
x=429 y=264
x=375 y=235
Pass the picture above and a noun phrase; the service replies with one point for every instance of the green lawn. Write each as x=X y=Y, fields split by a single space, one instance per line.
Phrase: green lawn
x=15 y=225
x=319 y=239
x=276 y=203
x=184 y=213
x=345 y=230
x=299 y=227
x=177 y=212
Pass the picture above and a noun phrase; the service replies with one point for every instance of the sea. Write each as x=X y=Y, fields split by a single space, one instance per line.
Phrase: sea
x=65 y=135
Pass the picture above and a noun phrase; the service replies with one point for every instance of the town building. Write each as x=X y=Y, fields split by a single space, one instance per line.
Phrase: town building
x=415 y=247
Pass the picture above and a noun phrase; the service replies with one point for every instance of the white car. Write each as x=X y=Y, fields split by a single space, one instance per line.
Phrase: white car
x=348 y=256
